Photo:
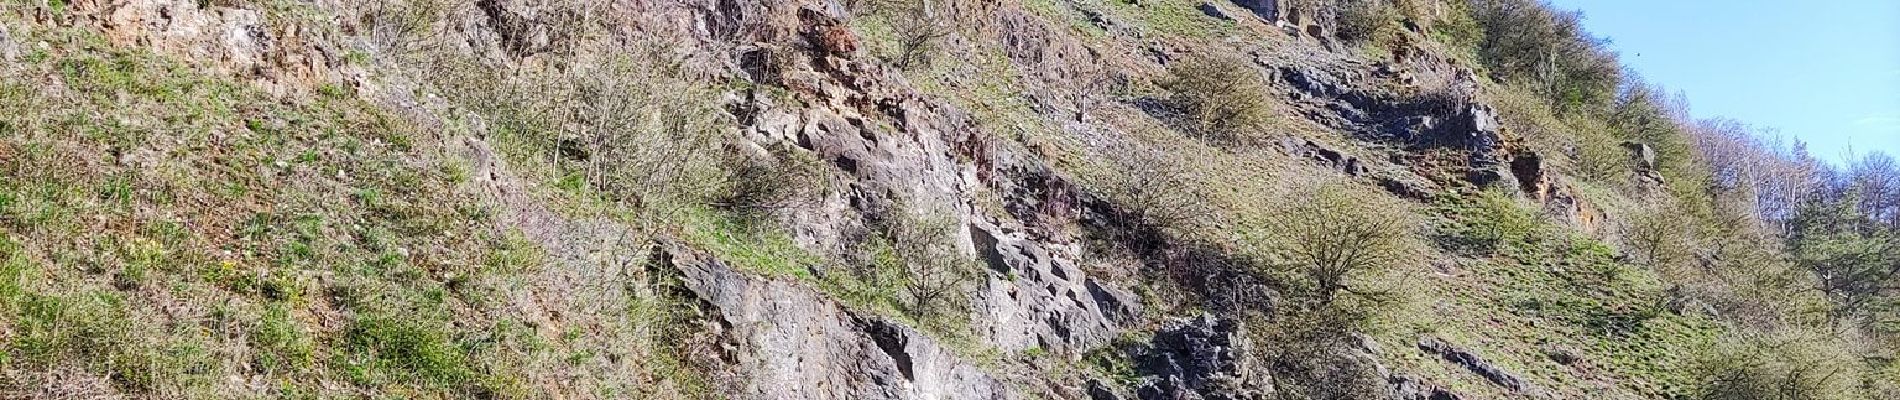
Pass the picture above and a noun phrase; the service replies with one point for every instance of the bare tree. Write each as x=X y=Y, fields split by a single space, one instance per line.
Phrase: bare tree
x=1876 y=177
x=932 y=275
x=1155 y=186
x=919 y=25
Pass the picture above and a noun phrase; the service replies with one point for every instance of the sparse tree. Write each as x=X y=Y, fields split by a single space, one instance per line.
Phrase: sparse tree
x=1876 y=178
x=920 y=27
x=1658 y=235
x=397 y=27
x=915 y=265
x=1154 y=186
x=1333 y=233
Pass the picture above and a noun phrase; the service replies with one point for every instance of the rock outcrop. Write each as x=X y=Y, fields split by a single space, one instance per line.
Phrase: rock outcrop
x=791 y=342
x=227 y=40
x=1036 y=297
x=9 y=50
x=1266 y=9
x=1478 y=365
x=813 y=85
x=1195 y=359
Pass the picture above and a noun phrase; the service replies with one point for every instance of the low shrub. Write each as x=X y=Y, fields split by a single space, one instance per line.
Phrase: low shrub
x=406 y=350
x=1792 y=365
x=1325 y=238
x=1488 y=223
x=932 y=276
x=1221 y=99
x=1363 y=21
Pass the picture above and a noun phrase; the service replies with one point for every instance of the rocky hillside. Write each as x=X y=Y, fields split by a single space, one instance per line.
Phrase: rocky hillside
x=889 y=199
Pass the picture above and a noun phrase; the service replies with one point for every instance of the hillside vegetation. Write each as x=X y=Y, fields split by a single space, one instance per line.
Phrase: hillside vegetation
x=907 y=199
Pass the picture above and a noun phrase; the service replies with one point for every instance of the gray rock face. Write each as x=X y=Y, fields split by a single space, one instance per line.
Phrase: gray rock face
x=1347 y=95
x=791 y=342
x=1325 y=156
x=893 y=150
x=1642 y=154
x=1215 y=11
x=1267 y=9
x=930 y=158
x=1197 y=358
x=1038 y=298
x=8 y=49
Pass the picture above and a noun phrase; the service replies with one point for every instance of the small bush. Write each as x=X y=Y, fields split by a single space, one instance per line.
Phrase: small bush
x=1658 y=236
x=1324 y=239
x=1222 y=99
x=919 y=27
x=1154 y=187
x=624 y=129
x=398 y=27
x=934 y=276
x=1311 y=356
x=788 y=178
x=1488 y=223
x=1363 y=21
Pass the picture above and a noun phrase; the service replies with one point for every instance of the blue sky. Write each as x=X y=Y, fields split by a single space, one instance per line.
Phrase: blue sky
x=1827 y=71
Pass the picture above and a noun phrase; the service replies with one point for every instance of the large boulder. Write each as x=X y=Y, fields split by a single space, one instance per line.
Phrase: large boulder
x=1642 y=154
x=1643 y=158
x=1212 y=10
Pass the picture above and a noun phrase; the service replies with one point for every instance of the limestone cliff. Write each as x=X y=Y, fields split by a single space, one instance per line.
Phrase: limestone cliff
x=797 y=199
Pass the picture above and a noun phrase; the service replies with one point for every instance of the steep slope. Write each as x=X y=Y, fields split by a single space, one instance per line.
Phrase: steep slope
x=818 y=199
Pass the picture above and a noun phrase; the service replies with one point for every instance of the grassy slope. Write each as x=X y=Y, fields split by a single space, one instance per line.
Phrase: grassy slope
x=164 y=230
x=1525 y=292
x=1536 y=286
x=172 y=233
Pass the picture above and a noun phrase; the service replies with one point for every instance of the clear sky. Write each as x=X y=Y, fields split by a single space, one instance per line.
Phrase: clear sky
x=1824 y=71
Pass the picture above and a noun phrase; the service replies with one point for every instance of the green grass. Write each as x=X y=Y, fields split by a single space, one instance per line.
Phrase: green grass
x=284 y=343
x=403 y=349
x=94 y=331
x=1064 y=14
x=514 y=254
x=1173 y=18
x=1529 y=285
x=746 y=245
x=251 y=216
